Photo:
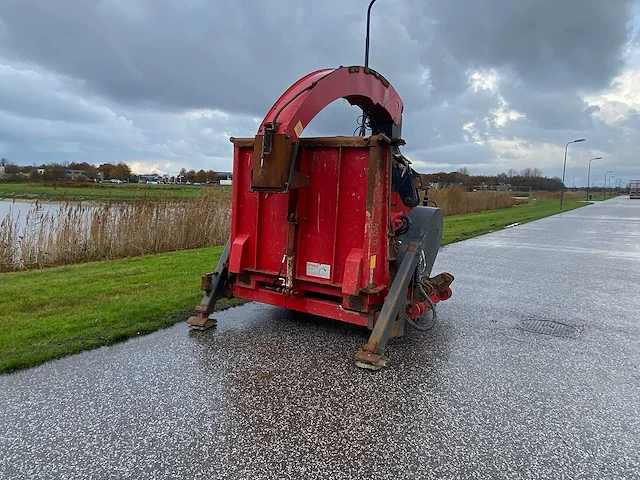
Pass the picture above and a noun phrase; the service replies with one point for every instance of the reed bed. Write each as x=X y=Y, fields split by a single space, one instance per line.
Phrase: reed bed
x=75 y=233
x=569 y=195
x=456 y=200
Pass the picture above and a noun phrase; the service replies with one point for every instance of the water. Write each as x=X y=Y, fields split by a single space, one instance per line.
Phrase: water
x=19 y=209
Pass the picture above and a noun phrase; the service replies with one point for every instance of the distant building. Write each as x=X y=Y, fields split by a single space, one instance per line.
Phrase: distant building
x=73 y=174
x=150 y=178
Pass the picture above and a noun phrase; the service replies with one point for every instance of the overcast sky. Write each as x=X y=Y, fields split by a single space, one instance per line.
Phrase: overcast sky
x=163 y=84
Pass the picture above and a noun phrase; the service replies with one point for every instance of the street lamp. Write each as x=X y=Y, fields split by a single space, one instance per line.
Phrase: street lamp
x=366 y=46
x=610 y=177
x=589 y=174
x=604 y=185
x=363 y=127
x=565 y=166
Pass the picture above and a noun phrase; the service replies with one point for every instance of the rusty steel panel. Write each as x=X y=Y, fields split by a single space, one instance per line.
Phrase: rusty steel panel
x=272 y=156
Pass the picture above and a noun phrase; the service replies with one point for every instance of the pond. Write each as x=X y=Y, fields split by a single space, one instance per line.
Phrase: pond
x=19 y=209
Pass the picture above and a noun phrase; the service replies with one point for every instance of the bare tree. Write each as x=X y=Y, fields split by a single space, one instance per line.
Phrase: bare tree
x=512 y=172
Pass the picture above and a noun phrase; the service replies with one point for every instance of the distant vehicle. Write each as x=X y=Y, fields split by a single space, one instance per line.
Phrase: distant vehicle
x=634 y=189
x=225 y=182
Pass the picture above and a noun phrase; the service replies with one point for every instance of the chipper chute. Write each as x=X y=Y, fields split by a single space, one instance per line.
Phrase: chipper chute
x=331 y=226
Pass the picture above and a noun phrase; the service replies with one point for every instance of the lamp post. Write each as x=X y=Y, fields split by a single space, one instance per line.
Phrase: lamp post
x=366 y=45
x=363 y=127
x=565 y=166
x=589 y=174
x=604 y=185
x=610 y=177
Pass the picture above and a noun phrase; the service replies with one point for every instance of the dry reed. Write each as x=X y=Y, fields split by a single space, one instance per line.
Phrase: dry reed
x=455 y=200
x=75 y=233
x=569 y=195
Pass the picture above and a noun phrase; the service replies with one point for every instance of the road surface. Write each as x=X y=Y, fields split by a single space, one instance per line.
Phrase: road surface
x=273 y=394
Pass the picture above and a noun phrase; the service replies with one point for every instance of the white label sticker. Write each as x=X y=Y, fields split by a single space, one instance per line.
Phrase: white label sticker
x=320 y=270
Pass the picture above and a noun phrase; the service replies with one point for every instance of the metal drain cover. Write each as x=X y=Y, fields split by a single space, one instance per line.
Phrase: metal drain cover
x=550 y=327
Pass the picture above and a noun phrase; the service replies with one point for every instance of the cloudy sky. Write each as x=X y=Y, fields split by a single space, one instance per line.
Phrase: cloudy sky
x=163 y=84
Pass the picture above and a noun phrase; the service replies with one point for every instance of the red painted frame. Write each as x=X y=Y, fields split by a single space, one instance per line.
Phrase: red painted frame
x=344 y=242
x=303 y=100
x=343 y=222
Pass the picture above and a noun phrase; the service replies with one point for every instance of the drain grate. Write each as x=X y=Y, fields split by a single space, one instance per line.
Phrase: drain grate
x=550 y=327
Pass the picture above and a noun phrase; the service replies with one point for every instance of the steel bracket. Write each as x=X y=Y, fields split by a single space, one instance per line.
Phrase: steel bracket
x=215 y=286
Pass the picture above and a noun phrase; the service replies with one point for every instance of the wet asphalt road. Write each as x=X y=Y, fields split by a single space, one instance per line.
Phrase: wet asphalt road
x=273 y=394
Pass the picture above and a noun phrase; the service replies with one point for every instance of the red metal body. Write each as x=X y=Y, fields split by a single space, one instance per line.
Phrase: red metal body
x=308 y=96
x=416 y=308
x=324 y=248
x=340 y=230
x=330 y=226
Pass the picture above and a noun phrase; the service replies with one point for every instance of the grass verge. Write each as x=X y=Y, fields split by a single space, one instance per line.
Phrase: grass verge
x=47 y=314
x=461 y=227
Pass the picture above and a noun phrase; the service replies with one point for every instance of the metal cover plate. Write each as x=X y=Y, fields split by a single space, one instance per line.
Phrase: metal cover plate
x=550 y=327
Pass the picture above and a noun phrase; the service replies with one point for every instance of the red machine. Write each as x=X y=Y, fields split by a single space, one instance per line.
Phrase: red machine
x=331 y=226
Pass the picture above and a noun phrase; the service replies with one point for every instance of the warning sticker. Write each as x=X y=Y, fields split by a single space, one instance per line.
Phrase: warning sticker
x=298 y=128
x=320 y=270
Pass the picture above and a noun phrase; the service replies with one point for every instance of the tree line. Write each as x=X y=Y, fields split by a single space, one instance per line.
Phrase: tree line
x=527 y=177
x=199 y=176
x=58 y=171
x=110 y=171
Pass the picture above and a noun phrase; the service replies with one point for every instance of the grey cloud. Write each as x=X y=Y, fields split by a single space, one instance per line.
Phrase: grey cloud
x=443 y=124
x=550 y=110
x=34 y=94
x=550 y=44
x=450 y=156
x=236 y=56
x=127 y=79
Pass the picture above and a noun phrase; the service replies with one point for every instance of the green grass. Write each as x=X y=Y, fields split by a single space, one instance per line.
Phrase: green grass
x=113 y=191
x=50 y=313
x=46 y=314
x=601 y=196
x=461 y=227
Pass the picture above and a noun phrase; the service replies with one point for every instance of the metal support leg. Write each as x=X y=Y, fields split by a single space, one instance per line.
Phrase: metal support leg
x=371 y=356
x=214 y=285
